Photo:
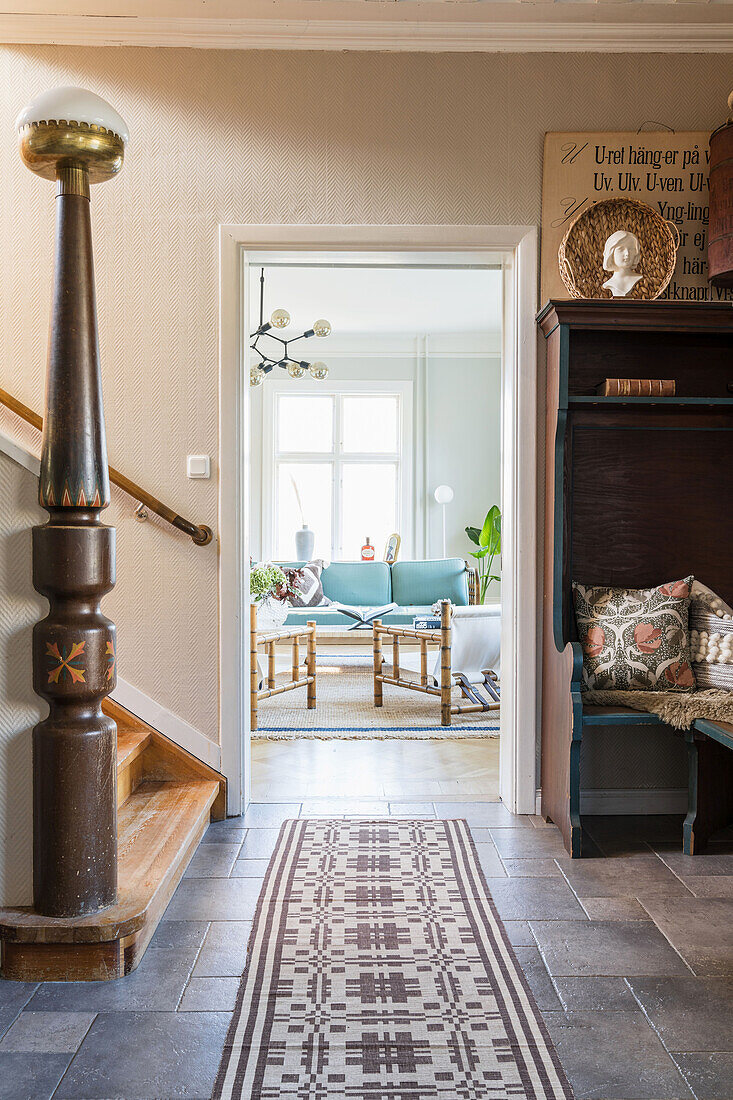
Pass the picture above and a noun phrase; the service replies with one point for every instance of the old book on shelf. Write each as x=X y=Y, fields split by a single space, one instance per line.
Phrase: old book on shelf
x=637 y=387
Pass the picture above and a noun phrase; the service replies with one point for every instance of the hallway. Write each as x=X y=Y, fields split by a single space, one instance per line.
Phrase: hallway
x=628 y=957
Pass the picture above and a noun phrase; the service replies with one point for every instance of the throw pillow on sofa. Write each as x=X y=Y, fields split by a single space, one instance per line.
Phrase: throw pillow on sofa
x=635 y=639
x=306 y=585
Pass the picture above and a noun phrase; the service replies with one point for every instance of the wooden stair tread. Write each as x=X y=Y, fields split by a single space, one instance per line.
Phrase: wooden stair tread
x=131 y=742
x=157 y=827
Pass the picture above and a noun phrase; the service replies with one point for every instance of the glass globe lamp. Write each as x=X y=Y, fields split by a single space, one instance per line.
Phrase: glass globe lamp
x=256 y=376
x=296 y=370
x=318 y=370
x=279 y=318
x=322 y=327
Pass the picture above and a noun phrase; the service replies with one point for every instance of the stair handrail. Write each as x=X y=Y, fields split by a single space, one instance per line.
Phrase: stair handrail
x=201 y=534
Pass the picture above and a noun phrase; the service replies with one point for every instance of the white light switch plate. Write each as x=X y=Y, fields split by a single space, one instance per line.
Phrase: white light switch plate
x=198 y=466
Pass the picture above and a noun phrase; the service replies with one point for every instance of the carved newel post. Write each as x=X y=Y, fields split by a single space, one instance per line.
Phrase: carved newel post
x=73 y=137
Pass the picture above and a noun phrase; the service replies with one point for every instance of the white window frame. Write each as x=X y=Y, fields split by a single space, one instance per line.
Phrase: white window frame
x=403 y=458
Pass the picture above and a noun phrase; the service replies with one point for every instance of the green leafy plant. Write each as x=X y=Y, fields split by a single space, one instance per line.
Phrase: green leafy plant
x=267 y=579
x=488 y=540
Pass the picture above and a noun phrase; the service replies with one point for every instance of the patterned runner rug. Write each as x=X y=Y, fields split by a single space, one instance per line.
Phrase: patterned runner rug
x=379 y=970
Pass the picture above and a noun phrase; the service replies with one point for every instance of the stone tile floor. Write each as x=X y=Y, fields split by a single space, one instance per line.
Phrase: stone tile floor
x=630 y=956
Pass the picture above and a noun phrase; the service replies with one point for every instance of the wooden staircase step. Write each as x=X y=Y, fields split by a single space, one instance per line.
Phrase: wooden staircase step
x=131 y=743
x=159 y=829
x=165 y=800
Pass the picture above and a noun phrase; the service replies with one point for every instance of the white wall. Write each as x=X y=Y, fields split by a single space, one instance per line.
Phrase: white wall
x=456 y=428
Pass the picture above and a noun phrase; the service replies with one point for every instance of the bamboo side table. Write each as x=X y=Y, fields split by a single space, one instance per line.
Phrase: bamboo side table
x=271 y=638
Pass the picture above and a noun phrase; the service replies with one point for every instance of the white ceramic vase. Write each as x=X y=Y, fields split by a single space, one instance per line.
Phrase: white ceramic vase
x=304 y=542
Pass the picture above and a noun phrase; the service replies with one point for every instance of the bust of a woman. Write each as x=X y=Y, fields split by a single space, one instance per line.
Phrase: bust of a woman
x=621 y=256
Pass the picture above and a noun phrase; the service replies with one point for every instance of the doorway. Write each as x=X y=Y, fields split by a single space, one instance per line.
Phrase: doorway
x=512 y=253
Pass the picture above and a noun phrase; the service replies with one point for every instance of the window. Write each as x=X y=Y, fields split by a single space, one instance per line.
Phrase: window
x=341 y=465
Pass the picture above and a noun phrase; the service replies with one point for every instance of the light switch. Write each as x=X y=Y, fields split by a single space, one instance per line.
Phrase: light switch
x=199 y=466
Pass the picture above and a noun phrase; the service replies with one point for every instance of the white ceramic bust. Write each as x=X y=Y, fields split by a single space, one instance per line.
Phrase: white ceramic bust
x=621 y=256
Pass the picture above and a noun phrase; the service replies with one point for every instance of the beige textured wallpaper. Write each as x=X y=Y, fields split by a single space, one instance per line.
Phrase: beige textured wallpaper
x=265 y=137
x=20 y=607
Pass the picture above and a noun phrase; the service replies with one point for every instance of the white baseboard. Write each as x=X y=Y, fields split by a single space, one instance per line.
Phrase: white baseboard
x=672 y=800
x=538 y=801
x=167 y=723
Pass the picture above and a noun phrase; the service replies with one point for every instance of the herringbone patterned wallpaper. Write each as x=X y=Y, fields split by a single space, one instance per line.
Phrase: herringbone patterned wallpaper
x=20 y=606
x=266 y=137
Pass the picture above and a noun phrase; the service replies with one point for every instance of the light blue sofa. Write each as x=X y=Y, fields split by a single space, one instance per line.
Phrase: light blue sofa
x=413 y=585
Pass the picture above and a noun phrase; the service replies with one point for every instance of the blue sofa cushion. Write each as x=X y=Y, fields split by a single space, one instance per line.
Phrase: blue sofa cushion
x=358 y=583
x=424 y=582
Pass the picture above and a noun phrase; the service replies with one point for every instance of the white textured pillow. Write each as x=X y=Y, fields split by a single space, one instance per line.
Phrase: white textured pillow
x=704 y=599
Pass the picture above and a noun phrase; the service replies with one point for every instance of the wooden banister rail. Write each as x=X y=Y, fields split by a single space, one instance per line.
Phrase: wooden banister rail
x=201 y=535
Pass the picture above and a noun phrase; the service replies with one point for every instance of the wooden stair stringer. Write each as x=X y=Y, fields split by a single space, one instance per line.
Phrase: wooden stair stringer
x=166 y=799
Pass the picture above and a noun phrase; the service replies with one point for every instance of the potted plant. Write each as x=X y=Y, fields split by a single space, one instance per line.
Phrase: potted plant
x=269 y=588
x=488 y=540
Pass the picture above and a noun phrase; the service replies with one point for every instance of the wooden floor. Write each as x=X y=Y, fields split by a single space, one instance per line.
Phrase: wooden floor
x=454 y=771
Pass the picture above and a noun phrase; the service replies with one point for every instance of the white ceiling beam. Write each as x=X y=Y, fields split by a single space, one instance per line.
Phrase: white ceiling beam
x=540 y=35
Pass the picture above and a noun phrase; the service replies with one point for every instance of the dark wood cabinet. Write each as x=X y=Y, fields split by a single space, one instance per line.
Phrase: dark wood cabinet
x=638 y=490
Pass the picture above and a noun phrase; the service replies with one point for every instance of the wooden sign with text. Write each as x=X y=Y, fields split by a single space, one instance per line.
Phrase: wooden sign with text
x=667 y=171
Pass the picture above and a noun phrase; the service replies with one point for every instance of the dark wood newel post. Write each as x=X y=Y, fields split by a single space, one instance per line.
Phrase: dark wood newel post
x=75 y=138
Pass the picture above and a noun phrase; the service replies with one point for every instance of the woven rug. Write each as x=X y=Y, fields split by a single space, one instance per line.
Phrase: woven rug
x=379 y=970
x=345 y=708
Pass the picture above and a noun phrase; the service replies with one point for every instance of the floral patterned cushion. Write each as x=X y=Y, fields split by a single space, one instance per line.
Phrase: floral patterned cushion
x=635 y=639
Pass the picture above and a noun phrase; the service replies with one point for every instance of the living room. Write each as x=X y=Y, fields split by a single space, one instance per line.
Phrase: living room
x=376 y=484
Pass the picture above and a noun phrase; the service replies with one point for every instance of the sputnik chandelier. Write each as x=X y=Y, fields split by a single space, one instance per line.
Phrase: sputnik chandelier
x=280 y=318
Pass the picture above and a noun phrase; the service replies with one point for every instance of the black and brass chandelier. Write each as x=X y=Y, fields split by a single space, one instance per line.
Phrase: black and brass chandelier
x=280 y=319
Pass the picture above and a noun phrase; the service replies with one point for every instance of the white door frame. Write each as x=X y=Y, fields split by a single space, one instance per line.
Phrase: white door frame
x=519 y=641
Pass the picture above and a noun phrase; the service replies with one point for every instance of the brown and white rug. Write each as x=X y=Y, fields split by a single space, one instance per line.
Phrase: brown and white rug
x=379 y=970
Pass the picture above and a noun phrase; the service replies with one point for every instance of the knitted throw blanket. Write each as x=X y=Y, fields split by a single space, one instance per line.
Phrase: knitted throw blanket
x=677 y=709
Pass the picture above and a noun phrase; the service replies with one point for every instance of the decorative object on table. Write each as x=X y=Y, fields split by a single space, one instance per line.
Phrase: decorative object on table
x=392 y=548
x=75 y=138
x=443 y=496
x=637 y=387
x=259 y=632
x=363 y=616
x=720 y=240
x=269 y=590
x=469 y=640
x=426 y=622
x=305 y=588
x=367 y=551
x=635 y=639
x=282 y=357
x=604 y=234
x=488 y=540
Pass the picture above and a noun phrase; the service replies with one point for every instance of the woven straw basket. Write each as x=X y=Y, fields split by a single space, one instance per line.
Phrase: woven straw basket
x=580 y=255
x=717 y=674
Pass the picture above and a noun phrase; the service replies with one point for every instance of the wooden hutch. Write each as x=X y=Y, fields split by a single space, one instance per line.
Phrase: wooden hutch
x=638 y=491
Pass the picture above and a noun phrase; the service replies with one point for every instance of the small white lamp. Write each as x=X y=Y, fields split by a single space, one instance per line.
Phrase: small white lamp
x=443 y=495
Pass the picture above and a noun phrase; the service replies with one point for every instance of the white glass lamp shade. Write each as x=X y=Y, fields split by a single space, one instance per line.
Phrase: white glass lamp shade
x=72 y=127
x=69 y=104
x=443 y=494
